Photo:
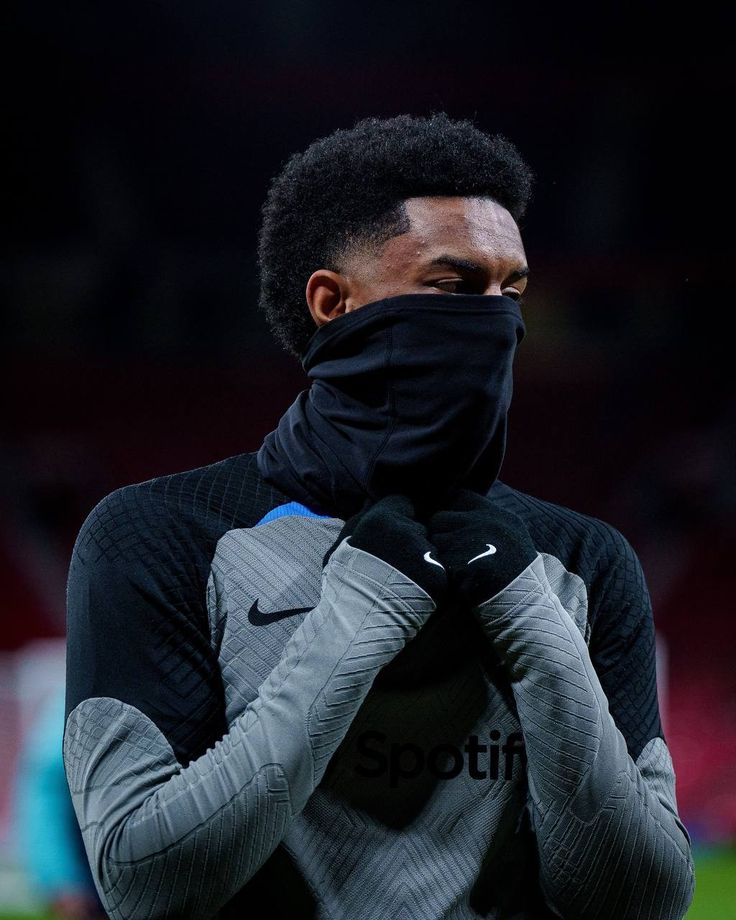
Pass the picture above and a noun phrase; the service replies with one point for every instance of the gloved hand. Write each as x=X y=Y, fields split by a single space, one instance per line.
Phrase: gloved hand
x=483 y=547
x=389 y=530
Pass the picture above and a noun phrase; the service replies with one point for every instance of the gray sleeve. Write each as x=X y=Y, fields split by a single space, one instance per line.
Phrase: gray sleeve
x=611 y=844
x=170 y=841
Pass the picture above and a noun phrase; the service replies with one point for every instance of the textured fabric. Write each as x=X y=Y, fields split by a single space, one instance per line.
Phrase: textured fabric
x=484 y=547
x=622 y=638
x=388 y=529
x=241 y=725
x=587 y=797
x=410 y=395
x=243 y=791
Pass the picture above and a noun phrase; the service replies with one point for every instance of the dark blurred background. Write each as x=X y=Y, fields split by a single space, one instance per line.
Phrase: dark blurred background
x=140 y=139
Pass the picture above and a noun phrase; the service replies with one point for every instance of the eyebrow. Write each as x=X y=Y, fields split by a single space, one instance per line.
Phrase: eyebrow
x=468 y=265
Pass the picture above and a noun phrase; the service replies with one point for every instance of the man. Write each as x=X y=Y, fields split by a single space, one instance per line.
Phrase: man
x=354 y=674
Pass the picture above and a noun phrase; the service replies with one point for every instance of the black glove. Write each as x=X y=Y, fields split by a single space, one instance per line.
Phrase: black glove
x=482 y=546
x=389 y=530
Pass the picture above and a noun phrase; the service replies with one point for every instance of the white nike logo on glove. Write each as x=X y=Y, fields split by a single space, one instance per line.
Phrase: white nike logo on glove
x=489 y=552
x=428 y=557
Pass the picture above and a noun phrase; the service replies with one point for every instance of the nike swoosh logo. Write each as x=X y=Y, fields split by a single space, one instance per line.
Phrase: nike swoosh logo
x=428 y=557
x=262 y=618
x=489 y=552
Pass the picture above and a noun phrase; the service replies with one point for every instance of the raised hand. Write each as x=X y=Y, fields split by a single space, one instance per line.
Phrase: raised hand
x=483 y=547
x=389 y=530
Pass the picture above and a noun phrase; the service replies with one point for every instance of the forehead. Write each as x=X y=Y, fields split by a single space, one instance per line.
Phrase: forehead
x=476 y=223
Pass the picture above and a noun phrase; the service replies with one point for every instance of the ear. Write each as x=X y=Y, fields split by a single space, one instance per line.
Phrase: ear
x=327 y=295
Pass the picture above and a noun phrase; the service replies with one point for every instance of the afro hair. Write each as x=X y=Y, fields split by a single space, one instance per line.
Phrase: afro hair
x=347 y=189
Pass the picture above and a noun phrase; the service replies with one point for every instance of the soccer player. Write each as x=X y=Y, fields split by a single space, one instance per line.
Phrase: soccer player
x=354 y=674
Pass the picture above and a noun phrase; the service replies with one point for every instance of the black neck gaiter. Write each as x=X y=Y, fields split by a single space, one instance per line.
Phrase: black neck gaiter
x=409 y=395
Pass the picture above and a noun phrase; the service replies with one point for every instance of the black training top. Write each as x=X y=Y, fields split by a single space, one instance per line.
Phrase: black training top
x=240 y=724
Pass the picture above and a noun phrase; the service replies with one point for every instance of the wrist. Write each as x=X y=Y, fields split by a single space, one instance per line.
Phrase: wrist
x=374 y=576
x=528 y=587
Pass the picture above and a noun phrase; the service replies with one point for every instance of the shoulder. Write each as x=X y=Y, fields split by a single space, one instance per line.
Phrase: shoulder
x=138 y=628
x=180 y=515
x=586 y=541
x=155 y=540
x=592 y=548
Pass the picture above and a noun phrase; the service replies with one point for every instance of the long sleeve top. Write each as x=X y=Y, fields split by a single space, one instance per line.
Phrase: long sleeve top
x=244 y=726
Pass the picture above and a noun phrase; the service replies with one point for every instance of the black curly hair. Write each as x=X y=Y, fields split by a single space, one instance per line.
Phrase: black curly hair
x=347 y=190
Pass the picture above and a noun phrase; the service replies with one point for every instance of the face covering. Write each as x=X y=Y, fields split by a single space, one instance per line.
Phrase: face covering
x=410 y=395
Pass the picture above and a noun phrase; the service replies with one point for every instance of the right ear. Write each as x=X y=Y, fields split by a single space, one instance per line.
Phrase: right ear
x=327 y=295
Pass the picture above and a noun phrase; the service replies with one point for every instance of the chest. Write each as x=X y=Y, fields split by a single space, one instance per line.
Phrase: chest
x=441 y=715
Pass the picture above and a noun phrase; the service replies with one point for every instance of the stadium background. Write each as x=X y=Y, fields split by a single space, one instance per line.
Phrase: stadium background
x=141 y=141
